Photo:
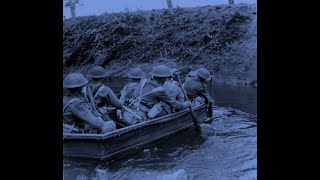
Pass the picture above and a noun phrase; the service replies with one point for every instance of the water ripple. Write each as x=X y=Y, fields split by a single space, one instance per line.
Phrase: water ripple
x=227 y=149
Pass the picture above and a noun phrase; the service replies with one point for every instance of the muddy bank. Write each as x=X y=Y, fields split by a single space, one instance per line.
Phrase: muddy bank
x=221 y=38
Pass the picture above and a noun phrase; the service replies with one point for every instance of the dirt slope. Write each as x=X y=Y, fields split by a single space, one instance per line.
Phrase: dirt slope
x=221 y=38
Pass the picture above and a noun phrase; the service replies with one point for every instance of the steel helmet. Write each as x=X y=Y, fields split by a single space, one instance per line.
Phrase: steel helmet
x=74 y=80
x=135 y=73
x=97 y=72
x=203 y=72
x=161 y=71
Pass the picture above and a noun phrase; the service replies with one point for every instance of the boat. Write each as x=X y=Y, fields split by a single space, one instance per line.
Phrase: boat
x=129 y=139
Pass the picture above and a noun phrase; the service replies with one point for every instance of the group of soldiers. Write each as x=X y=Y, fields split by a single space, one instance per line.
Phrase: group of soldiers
x=89 y=106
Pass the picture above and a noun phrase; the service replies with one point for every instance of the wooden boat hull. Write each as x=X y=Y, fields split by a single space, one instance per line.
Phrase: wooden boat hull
x=124 y=141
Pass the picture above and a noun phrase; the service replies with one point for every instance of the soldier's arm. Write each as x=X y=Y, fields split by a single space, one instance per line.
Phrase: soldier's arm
x=81 y=111
x=123 y=94
x=180 y=96
x=164 y=96
x=112 y=98
x=203 y=92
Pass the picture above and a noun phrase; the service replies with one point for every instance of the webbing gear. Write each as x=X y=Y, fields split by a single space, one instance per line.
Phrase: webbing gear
x=84 y=91
x=171 y=85
x=70 y=102
x=92 y=102
x=143 y=83
x=88 y=92
x=69 y=128
x=132 y=84
x=152 y=91
x=96 y=91
x=92 y=94
x=124 y=91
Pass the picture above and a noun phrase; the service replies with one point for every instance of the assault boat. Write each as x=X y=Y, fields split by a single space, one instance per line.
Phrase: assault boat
x=127 y=140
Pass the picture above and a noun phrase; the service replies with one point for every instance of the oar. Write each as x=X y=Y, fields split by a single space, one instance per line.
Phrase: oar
x=194 y=116
x=210 y=112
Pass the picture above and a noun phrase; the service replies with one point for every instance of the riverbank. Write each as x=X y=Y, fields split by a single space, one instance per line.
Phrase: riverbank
x=221 y=38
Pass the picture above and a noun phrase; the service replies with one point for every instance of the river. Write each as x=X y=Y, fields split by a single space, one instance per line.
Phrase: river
x=227 y=148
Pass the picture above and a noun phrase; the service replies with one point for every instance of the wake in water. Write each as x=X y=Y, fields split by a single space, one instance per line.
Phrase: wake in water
x=226 y=149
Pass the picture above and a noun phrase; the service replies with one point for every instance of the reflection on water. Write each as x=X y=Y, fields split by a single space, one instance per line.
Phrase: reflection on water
x=242 y=98
x=227 y=148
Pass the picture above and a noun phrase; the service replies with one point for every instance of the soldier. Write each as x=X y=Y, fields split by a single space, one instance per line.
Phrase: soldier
x=172 y=87
x=135 y=75
x=101 y=96
x=76 y=112
x=153 y=99
x=195 y=87
x=190 y=74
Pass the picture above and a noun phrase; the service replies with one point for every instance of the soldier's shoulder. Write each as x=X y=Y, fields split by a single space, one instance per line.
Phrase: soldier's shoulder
x=189 y=81
x=131 y=85
x=79 y=104
x=75 y=103
x=160 y=89
x=67 y=99
x=176 y=83
x=77 y=100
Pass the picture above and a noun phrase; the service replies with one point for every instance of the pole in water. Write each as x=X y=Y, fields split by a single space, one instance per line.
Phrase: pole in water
x=193 y=114
x=210 y=111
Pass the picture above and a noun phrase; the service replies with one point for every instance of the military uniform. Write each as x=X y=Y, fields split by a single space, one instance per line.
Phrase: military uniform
x=127 y=91
x=136 y=74
x=152 y=100
x=155 y=97
x=103 y=96
x=76 y=111
x=194 y=88
x=174 y=90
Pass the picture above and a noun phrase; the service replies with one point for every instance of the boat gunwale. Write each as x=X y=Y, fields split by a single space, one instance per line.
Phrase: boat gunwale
x=135 y=147
x=118 y=132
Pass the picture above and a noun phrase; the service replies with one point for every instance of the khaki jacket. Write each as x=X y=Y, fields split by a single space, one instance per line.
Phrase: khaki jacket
x=194 y=88
x=103 y=96
x=77 y=112
x=161 y=95
x=174 y=90
x=127 y=91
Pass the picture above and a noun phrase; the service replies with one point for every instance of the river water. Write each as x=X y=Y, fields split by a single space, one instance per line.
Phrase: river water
x=226 y=149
